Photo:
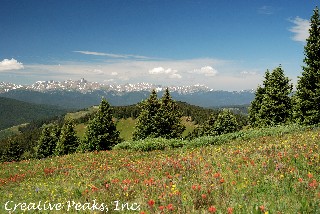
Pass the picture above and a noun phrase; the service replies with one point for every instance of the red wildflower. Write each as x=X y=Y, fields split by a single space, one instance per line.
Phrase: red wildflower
x=94 y=188
x=170 y=207
x=161 y=208
x=262 y=208
x=212 y=209
x=313 y=184
x=230 y=210
x=217 y=175
x=194 y=187
x=300 y=179
x=310 y=175
x=203 y=196
x=151 y=203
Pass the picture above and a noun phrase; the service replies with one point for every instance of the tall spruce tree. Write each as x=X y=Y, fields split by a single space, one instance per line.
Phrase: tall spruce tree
x=12 y=151
x=145 y=126
x=47 y=141
x=255 y=106
x=101 y=133
x=272 y=104
x=225 y=123
x=68 y=141
x=168 y=118
x=307 y=98
x=159 y=118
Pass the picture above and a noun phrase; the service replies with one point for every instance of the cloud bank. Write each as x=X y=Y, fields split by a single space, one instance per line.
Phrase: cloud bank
x=171 y=73
x=300 y=29
x=208 y=71
x=10 y=64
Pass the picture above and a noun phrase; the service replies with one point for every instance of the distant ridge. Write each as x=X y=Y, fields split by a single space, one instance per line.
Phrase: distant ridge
x=14 y=112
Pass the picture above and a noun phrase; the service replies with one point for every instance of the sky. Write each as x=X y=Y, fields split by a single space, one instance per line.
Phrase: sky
x=223 y=44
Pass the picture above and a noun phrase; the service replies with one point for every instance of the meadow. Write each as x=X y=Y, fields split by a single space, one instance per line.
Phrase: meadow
x=263 y=174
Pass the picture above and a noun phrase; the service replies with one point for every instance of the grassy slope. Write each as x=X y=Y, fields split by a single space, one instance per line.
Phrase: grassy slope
x=269 y=174
x=126 y=128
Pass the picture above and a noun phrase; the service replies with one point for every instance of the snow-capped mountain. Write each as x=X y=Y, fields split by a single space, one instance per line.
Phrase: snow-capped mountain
x=82 y=93
x=85 y=86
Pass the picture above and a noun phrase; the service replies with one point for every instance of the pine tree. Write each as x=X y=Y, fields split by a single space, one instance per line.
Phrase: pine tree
x=68 y=141
x=307 y=98
x=12 y=151
x=225 y=123
x=272 y=104
x=101 y=133
x=47 y=141
x=145 y=126
x=207 y=129
x=159 y=118
x=168 y=118
x=255 y=107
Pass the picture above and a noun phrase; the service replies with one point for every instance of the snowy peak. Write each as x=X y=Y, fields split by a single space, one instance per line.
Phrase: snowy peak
x=85 y=86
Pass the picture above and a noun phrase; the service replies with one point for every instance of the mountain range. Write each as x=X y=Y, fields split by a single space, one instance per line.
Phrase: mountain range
x=82 y=94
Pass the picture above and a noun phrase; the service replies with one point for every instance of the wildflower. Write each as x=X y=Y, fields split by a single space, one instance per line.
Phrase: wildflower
x=313 y=184
x=217 y=175
x=203 y=196
x=161 y=208
x=300 y=180
x=222 y=180
x=212 y=209
x=262 y=208
x=151 y=203
x=310 y=175
x=94 y=188
x=230 y=210
x=170 y=207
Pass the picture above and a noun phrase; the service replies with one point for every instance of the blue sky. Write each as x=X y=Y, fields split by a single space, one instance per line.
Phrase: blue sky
x=224 y=44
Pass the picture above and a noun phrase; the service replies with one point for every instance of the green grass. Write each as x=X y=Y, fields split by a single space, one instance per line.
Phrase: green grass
x=14 y=130
x=258 y=174
x=124 y=126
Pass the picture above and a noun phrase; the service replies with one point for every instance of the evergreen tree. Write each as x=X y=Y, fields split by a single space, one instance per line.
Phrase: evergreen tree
x=101 y=133
x=145 y=126
x=255 y=107
x=168 y=118
x=272 y=105
x=207 y=129
x=68 y=141
x=159 y=118
x=225 y=123
x=12 y=152
x=47 y=141
x=307 y=98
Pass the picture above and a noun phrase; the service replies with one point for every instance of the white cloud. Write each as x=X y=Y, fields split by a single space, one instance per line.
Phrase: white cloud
x=247 y=73
x=173 y=74
x=266 y=10
x=10 y=64
x=121 y=56
x=300 y=29
x=114 y=74
x=206 y=70
x=97 y=71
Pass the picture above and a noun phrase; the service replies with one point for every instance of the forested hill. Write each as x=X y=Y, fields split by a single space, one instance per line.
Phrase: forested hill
x=14 y=112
